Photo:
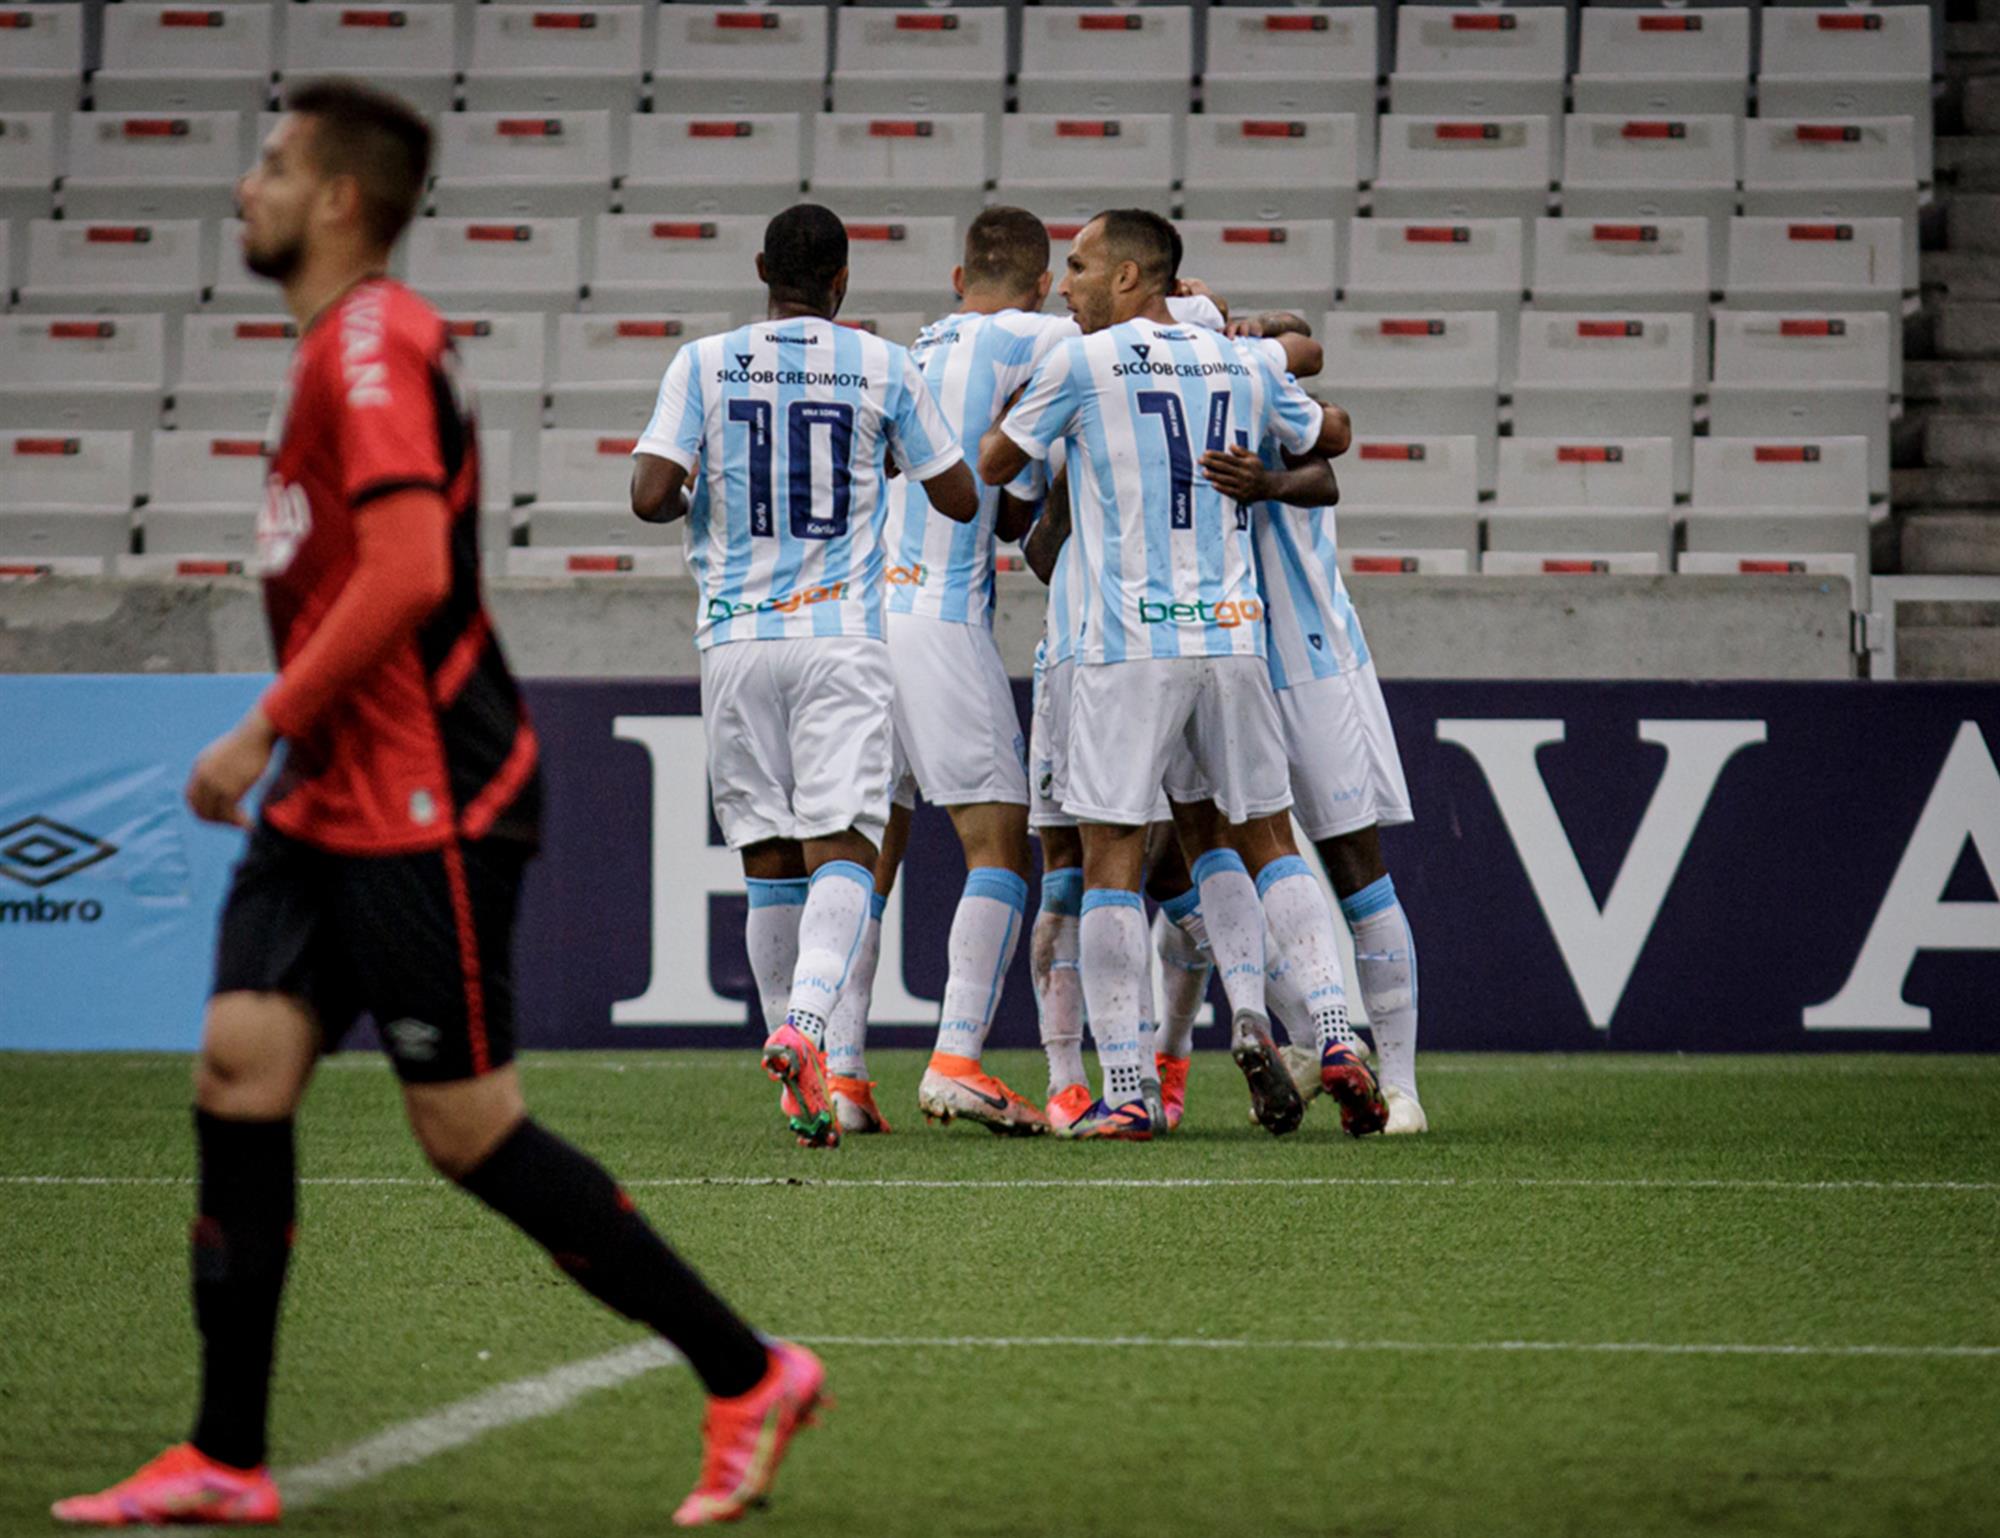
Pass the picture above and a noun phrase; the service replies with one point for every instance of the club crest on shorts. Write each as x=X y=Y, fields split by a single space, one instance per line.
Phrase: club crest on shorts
x=413 y=1040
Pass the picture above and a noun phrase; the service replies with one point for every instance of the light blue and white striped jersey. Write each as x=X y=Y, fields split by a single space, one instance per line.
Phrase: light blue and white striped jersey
x=1312 y=629
x=1165 y=559
x=972 y=362
x=790 y=421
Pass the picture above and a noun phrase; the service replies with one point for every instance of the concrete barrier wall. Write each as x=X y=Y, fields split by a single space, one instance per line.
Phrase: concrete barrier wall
x=1556 y=627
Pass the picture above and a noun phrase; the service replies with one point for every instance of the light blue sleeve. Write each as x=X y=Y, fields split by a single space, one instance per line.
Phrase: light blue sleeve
x=925 y=444
x=1290 y=414
x=1048 y=407
x=675 y=430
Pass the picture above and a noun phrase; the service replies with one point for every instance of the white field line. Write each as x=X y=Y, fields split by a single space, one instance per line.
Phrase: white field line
x=1134 y=1183
x=456 y=1425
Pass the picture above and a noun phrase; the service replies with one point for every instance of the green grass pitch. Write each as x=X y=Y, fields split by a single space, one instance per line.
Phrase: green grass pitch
x=1828 y=1202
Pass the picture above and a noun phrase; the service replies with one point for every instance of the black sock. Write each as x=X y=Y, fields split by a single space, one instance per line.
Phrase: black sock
x=242 y=1241
x=566 y=1202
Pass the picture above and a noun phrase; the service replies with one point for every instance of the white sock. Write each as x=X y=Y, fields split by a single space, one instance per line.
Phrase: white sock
x=984 y=932
x=1385 y=957
x=830 y=930
x=1184 y=974
x=1235 y=926
x=1058 y=982
x=847 y=1031
x=1113 y=949
x=1302 y=924
x=771 y=936
x=1281 y=991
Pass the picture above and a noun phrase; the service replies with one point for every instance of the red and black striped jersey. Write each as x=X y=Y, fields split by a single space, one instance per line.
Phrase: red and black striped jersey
x=431 y=742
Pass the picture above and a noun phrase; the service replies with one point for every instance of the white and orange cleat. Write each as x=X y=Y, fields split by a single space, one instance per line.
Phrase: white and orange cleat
x=743 y=1440
x=855 y=1108
x=1068 y=1106
x=955 y=1087
x=181 y=1486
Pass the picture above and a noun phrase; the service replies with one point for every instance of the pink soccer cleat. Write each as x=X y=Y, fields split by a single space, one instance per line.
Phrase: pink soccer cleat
x=182 y=1485
x=794 y=1062
x=743 y=1440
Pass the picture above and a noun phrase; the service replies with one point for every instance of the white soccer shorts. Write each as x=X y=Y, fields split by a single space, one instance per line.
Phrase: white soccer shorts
x=1048 y=751
x=1206 y=727
x=799 y=737
x=957 y=737
x=1346 y=772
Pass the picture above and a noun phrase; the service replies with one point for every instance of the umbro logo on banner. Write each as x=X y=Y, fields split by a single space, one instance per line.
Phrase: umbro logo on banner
x=38 y=851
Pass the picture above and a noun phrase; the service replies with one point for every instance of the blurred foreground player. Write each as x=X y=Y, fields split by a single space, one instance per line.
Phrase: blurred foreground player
x=383 y=872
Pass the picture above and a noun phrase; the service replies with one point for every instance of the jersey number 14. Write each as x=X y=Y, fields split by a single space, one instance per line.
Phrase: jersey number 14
x=1166 y=405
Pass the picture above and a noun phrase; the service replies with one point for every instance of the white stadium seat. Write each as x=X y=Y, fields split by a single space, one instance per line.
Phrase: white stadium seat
x=1073 y=167
x=583 y=493
x=901 y=264
x=739 y=59
x=1409 y=505
x=713 y=164
x=1305 y=167
x=1848 y=62
x=1417 y=372
x=898 y=326
x=646 y=39
x=1609 y=375
x=1819 y=265
x=498 y=490
x=178 y=58
x=1618 y=167
x=1858 y=168
x=1613 y=265
x=408 y=49
x=1293 y=265
x=863 y=165
x=82 y=371
x=903 y=62
x=41 y=57
x=673 y=261
x=65 y=493
x=572 y=57
x=1779 y=374
x=1106 y=63
x=231 y=369
x=102 y=266
x=1679 y=63
x=538 y=164
x=1582 y=504
x=1413 y=265
x=1475 y=62
x=1465 y=168
x=121 y=165
x=608 y=367
x=207 y=488
x=28 y=164
x=1774 y=504
x=503 y=264
x=1281 y=63
x=505 y=356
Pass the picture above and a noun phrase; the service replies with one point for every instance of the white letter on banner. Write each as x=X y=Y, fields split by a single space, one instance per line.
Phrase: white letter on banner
x=1600 y=948
x=687 y=870
x=1965 y=803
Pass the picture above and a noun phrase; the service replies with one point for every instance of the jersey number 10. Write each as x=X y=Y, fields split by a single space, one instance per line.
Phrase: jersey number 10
x=1166 y=405
x=801 y=420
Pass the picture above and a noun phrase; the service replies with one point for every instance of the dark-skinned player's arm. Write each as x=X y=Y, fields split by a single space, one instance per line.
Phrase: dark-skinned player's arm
x=1045 y=540
x=659 y=488
x=1014 y=518
x=1306 y=481
x=1303 y=356
x=667 y=453
x=402 y=572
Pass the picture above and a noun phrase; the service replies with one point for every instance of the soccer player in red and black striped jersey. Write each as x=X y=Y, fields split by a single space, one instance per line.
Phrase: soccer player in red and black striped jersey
x=381 y=874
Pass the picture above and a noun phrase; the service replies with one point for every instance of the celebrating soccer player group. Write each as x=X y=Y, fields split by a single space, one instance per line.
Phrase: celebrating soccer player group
x=1203 y=678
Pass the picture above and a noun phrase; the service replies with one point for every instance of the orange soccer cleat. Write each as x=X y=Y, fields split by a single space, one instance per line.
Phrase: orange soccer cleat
x=795 y=1063
x=1173 y=1072
x=743 y=1440
x=958 y=1087
x=182 y=1485
x=855 y=1108
x=1068 y=1106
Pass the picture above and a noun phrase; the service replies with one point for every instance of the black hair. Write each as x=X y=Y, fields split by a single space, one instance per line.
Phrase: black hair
x=805 y=248
x=378 y=139
x=1142 y=236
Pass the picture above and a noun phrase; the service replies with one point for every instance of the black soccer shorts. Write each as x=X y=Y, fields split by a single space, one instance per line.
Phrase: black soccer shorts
x=423 y=943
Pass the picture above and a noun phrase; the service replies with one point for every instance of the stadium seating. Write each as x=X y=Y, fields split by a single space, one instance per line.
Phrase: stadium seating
x=27 y=181
x=1776 y=505
x=713 y=165
x=96 y=266
x=41 y=57
x=864 y=166
x=501 y=163
x=1410 y=505
x=899 y=265
x=1277 y=63
x=583 y=494
x=1577 y=503
x=737 y=59
x=82 y=371
x=505 y=356
x=1465 y=168
x=206 y=488
x=1266 y=266
x=1781 y=375
x=174 y=58
x=1818 y=265
x=408 y=49
x=1655 y=264
x=505 y=264
x=569 y=58
x=1070 y=167
x=1412 y=265
x=139 y=166
x=1471 y=62
x=1305 y=167
x=65 y=494
x=1617 y=375
x=1622 y=168
x=1840 y=63
x=608 y=367
x=1419 y=373
x=231 y=368
x=1682 y=63
x=1854 y=168
x=667 y=262
x=1106 y=63
x=911 y=62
